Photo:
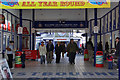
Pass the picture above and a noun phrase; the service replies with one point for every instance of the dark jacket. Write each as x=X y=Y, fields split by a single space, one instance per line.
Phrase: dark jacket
x=58 y=50
x=89 y=45
x=63 y=48
x=83 y=46
x=100 y=48
x=106 y=47
x=117 y=49
x=72 y=47
x=23 y=57
x=50 y=47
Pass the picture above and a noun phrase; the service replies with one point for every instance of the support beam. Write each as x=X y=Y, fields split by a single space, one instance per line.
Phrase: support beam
x=95 y=36
x=100 y=31
x=20 y=35
x=119 y=44
x=30 y=36
x=111 y=29
x=33 y=39
x=86 y=20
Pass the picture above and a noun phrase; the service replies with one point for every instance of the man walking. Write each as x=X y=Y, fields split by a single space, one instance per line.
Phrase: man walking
x=72 y=48
x=50 y=48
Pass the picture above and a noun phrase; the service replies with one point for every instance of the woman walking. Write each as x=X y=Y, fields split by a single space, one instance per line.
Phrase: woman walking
x=10 y=52
x=42 y=52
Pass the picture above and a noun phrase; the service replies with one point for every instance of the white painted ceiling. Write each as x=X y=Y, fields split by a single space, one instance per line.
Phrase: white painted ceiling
x=56 y=15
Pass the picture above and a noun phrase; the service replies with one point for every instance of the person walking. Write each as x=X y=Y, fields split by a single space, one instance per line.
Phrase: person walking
x=23 y=59
x=58 y=50
x=63 y=49
x=117 y=46
x=106 y=49
x=42 y=52
x=100 y=47
x=82 y=52
x=50 y=48
x=117 y=50
x=10 y=52
x=90 y=49
x=72 y=48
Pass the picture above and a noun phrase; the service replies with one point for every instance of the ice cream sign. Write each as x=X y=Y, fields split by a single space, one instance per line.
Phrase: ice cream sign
x=54 y=4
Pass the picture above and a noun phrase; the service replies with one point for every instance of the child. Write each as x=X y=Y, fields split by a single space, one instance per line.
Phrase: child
x=23 y=59
x=110 y=61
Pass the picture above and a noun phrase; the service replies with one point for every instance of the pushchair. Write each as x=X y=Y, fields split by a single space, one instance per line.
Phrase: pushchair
x=115 y=58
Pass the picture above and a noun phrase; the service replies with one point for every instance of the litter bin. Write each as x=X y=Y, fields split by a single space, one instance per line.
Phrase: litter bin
x=18 y=62
x=99 y=59
x=86 y=57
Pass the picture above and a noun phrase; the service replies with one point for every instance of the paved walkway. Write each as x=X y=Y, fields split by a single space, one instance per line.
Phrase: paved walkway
x=64 y=70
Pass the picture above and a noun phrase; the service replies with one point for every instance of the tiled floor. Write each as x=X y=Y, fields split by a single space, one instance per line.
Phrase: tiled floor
x=63 y=70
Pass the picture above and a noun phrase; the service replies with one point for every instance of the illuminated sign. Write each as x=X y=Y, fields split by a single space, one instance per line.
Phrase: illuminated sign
x=54 y=4
x=57 y=24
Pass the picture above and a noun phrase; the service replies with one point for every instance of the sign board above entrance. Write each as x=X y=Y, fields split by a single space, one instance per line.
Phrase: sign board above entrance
x=54 y=4
x=57 y=24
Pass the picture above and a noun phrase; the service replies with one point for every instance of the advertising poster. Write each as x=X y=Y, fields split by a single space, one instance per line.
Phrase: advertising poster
x=4 y=68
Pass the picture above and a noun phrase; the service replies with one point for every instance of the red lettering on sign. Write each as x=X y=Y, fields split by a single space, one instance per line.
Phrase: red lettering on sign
x=0 y=26
x=12 y=27
x=9 y=28
x=61 y=39
x=28 y=3
x=4 y=27
x=40 y=3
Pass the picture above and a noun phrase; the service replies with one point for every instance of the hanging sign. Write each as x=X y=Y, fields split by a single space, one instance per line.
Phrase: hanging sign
x=20 y=30
x=57 y=24
x=2 y=19
x=96 y=29
x=54 y=4
x=33 y=30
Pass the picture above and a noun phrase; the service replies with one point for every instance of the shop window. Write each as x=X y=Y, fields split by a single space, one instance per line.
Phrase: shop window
x=25 y=42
